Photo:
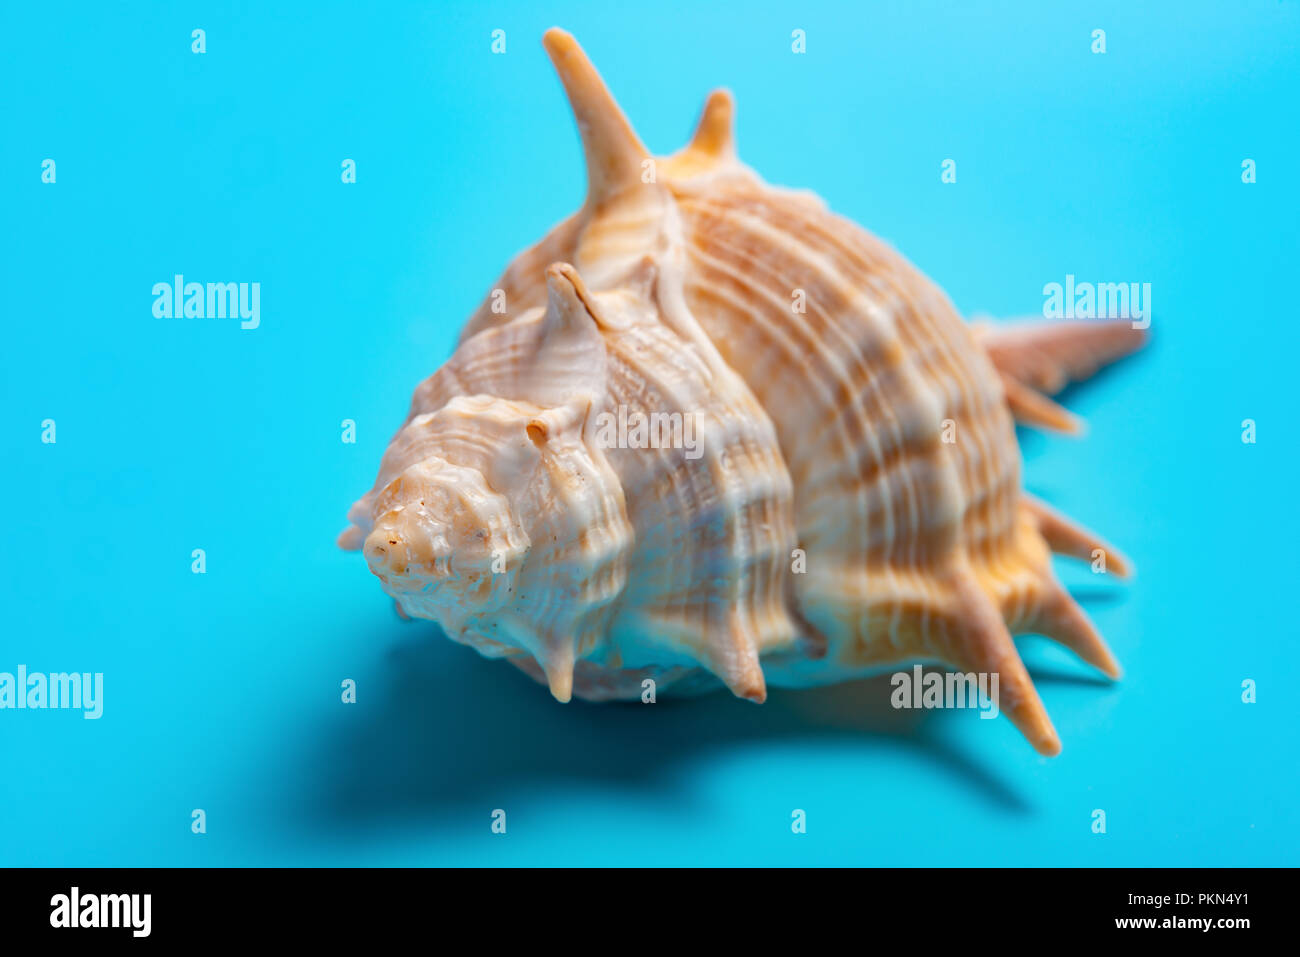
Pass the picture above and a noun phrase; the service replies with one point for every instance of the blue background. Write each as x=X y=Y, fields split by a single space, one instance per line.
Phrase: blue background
x=222 y=690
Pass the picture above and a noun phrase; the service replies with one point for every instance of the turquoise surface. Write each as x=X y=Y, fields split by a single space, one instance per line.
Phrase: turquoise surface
x=222 y=689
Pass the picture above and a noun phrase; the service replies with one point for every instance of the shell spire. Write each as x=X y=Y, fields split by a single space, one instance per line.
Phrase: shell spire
x=569 y=304
x=977 y=639
x=714 y=135
x=557 y=663
x=1031 y=407
x=1066 y=538
x=1036 y=360
x=614 y=153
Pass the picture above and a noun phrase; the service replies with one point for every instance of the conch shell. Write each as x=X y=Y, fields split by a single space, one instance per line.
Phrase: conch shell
x=706 y=431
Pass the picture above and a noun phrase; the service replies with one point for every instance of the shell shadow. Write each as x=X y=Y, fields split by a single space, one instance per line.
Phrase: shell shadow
x=1100 y=594
x=447 y=730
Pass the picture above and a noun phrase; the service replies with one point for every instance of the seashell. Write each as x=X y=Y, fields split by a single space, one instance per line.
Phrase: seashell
x=833 y=483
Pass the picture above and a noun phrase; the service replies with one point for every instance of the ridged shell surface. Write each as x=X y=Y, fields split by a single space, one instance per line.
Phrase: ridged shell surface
x=826 y=479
